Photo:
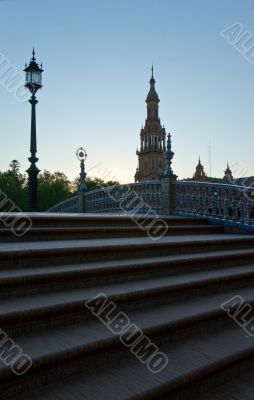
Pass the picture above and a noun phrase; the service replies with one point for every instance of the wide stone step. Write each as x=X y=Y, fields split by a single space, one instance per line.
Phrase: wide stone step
x=240 y=388
x=34 y=279
x=92 y=220
x=64 y=252
x=53 y=345
x=26 y=313
x=70 y=233
x=192 y=359
x=171 y=287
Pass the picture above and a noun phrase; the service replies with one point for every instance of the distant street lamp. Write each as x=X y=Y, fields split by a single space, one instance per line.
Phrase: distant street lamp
x=81 y=156
x=33 y=83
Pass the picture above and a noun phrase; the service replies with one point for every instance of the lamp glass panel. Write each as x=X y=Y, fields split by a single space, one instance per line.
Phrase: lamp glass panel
x=35 y=76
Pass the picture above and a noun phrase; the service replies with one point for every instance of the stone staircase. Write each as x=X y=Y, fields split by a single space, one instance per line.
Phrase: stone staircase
x=171 y=288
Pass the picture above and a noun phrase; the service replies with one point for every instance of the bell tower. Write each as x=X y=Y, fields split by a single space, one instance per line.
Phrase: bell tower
x=152 y=140
x=199 y=173
x=228 y=176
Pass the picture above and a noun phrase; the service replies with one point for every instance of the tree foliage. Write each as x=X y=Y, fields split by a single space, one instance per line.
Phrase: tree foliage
x=52 y=187
x=92 y=184
x=15 y=167
x=14 y=185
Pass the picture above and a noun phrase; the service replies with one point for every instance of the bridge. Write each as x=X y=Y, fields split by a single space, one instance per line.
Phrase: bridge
x=225 y=204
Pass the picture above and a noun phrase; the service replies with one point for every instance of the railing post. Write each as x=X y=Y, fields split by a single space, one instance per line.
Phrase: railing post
x=249 y=210
x=194 y=201
x=182 y=199
x=235 y=207
x=220 y=207
x=200 y=202
x=81 y=202
x=168 y=184
x=206 y=203
x=226 y=205
x=177 y=199
x=241 y=207
x=214 y=202
x=168 y=194
x=188 y=200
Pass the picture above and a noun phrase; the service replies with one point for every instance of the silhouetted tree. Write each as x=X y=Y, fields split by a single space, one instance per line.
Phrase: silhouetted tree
x=92 y=184
x=52 y=189
x=15 y=167
x=14 y=185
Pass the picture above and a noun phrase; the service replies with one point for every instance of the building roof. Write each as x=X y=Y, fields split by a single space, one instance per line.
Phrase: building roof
x=152 y=94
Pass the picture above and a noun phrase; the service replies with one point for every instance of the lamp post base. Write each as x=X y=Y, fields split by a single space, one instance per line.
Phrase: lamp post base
x=32 y=187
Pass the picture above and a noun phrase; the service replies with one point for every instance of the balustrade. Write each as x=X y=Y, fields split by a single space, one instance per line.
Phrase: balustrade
x=226 y=202
x=216 y=200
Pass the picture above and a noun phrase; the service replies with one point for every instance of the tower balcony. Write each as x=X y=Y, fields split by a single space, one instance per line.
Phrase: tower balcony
x=151 y=148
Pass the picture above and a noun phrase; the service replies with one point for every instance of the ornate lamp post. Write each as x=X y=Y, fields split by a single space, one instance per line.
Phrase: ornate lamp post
x=33 y=83
x=81 y=156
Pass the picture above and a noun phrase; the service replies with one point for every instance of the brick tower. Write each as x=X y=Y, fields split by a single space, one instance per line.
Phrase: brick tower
x=152 y=141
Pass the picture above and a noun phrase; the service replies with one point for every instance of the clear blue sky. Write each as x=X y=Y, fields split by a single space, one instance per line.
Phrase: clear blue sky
x=97 y=57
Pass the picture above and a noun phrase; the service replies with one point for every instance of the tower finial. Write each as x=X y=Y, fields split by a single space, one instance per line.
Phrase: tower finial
x=33 y=58
x=228 y=173
x=168 y=156
x=152 y=80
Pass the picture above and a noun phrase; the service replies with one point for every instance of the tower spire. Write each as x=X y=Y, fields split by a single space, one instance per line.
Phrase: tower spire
x=152 y=95
x=33 y=58
x=228 y=174
x=199 y=174
x=152 y=80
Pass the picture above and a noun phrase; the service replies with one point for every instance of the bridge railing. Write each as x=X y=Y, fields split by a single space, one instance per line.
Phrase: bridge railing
x=228 y=202
x=125 y=198
x=141 y=197
x=218 y=201
x=67 y=206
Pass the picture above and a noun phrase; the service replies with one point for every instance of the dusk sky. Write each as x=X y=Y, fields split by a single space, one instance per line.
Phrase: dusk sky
x=97 y=57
